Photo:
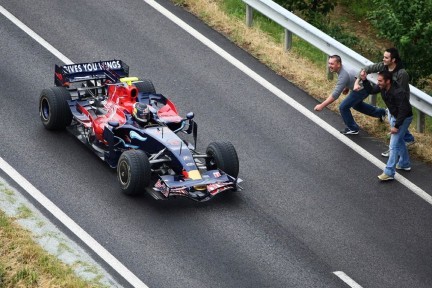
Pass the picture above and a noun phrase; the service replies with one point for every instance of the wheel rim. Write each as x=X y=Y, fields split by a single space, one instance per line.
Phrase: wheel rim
x=124 y=173
x=45 y=109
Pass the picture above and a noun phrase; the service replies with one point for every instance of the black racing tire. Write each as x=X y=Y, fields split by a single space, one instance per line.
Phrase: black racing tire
x=223 y=156
x=146 y=86
x=133 y=172
x=54 y=109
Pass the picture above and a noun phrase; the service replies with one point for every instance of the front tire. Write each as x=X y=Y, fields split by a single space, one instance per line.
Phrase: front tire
x=54 y=109
x=133 y=172
x=223 y=156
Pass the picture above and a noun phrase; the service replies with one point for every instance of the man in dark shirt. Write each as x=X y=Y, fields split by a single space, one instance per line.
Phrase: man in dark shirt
x=401 y=116
x=393 y=63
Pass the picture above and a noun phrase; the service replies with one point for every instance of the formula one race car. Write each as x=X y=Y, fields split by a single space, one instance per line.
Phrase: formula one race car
x=135 y=130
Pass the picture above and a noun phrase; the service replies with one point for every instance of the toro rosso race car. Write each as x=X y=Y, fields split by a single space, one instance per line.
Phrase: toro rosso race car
x=135 y=130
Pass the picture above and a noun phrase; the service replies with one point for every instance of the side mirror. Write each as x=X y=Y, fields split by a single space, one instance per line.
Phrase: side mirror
x=190 y=115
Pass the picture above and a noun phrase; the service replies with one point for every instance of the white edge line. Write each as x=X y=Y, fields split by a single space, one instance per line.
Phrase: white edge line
x=309 y=114
x=35 y=36
x=345 y=278
x=45 y=202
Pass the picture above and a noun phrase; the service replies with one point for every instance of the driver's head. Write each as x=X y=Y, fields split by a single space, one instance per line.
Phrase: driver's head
x=141 y=113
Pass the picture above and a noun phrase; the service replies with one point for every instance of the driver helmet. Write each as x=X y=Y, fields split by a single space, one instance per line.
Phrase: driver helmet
x=141 y=113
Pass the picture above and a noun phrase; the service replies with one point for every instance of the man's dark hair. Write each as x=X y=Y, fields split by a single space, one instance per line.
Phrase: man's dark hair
x=386 y=75
x=337 y=58
x=394 y=54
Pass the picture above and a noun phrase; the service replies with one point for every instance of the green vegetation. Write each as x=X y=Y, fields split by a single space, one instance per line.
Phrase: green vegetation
x=313 y=11
x=408 y=24
x=24 y=212
x=23 y=263
x=236 y=8
x=358 y=9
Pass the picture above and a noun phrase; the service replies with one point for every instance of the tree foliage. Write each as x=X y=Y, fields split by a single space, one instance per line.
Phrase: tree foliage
x=408 y=24
x=311 y=10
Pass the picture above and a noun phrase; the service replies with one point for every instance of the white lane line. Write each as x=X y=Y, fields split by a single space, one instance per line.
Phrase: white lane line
x=45 y=202
x=35 y=36
x=345 y=278
x=306 y=112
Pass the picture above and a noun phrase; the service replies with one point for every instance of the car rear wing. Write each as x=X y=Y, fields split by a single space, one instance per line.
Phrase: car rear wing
x=112 y=70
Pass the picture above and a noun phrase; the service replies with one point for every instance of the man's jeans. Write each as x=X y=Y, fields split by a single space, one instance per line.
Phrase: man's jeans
x=408 y=136
x=398 y=150
x=355 y=100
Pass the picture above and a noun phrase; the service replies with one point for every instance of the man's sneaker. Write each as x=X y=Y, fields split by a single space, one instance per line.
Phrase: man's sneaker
x=407 y=144
x=385 y=177
x=385 y=153
x=405 y=168
x=348 y=131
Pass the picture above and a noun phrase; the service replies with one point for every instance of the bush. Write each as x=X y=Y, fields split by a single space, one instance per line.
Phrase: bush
x=409 y=26
x=311 y=10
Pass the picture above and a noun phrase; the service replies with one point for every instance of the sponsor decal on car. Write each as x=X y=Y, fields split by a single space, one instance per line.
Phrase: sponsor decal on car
x=92 y=67
x=162 y=187
x=179 y=191
x=216 y=188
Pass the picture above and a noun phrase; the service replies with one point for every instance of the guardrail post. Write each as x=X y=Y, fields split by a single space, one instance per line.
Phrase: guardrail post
x=249 y=15
x=288 y=40
x=421 y=120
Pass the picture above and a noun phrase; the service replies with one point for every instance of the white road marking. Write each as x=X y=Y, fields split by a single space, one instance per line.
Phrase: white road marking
x=305 y=111
x=344 y=277
x=35 y=36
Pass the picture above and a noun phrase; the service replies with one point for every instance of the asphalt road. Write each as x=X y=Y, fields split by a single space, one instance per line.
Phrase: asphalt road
x=311 y=205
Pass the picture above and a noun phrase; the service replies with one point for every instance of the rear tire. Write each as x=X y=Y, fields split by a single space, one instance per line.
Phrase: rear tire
x=54 y=109
x=146 y=86
x=223 y=156
x=133 y=172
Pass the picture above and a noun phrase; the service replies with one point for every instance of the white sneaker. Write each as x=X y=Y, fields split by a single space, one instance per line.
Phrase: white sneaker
x=407 y=144
x=385 y=153
x=405 y=168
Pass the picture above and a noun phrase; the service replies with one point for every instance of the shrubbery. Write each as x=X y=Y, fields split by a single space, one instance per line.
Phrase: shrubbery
x=408 y=24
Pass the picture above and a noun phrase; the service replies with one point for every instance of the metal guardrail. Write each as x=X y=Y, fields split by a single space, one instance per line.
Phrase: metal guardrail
x=328 y=45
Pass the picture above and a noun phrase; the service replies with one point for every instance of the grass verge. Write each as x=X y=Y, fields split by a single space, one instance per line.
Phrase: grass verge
x=23 y=263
